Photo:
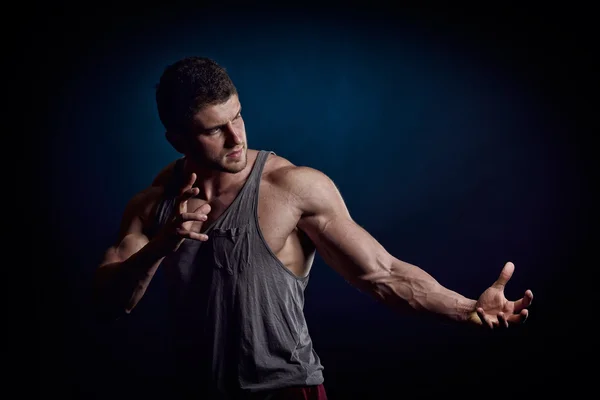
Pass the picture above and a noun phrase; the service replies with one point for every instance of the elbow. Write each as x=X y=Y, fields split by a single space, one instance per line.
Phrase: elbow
x=107 y=313
x=104 y=301
x=107 y=310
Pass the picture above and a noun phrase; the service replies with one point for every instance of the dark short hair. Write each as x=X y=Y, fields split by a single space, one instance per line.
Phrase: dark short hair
x=188 y=85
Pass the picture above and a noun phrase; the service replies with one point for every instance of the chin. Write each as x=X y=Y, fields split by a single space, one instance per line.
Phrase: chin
x=232 y=170
x=234 y=166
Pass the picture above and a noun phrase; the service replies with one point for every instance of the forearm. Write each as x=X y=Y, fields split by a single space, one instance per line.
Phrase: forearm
x=367 y=265
x=119 y=286
x=405 y=286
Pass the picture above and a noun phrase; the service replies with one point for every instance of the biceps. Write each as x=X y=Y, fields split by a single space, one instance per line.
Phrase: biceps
x=349 y=249
x=128 y=246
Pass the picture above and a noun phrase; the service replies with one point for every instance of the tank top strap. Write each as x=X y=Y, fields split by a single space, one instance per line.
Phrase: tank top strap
x=242 y=211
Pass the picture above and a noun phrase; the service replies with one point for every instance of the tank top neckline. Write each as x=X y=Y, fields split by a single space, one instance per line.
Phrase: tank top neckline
x=260 y=159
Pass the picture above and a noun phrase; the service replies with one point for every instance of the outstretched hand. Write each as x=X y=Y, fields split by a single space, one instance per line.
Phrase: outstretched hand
x=494 y=310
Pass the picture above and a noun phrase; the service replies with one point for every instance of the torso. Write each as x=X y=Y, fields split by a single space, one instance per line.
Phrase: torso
x=277 y=217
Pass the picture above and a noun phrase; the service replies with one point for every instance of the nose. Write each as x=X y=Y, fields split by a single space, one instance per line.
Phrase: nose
x=233 y=135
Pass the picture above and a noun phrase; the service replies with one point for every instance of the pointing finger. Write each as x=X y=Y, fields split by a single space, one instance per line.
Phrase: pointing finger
x=188 y=194
x=505 y=275
x=185 y=196
x=189 y=183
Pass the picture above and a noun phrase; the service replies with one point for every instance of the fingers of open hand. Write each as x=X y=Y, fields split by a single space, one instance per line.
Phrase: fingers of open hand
x=519 y=318
x=505 y=275
x=485 y=319
x=502 y=320
x=524 y=302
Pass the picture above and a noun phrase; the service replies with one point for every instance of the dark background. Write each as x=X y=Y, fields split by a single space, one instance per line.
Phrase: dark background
x=459 y=138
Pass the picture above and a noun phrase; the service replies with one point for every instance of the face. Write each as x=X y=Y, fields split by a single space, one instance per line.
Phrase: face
x=218 y=137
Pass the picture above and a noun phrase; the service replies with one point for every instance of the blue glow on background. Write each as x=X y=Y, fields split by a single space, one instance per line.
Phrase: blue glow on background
x=451 y=161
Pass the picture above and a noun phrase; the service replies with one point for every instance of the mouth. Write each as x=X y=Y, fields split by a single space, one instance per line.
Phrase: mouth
x=235 y=153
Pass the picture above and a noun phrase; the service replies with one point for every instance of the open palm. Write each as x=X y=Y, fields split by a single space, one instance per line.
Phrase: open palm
x=494 y=310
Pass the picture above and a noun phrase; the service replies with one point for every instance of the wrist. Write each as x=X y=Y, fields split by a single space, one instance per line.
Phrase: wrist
x=163 y=245
x=467 y=311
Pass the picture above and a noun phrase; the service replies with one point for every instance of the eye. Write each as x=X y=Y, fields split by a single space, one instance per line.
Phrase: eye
x=213 y=131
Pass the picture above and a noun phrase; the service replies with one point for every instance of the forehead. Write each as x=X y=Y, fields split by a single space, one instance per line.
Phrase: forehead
x=217 y=114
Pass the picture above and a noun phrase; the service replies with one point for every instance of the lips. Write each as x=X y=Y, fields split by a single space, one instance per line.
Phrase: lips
x=235 y=153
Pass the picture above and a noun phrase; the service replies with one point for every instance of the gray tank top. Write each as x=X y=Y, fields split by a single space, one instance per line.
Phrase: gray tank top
x=237 y=310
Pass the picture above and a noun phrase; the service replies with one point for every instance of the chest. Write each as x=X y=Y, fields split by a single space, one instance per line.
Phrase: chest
x=276 y=215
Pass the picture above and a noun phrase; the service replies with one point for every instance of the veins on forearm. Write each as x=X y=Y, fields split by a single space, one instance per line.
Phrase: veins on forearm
x=406 y=286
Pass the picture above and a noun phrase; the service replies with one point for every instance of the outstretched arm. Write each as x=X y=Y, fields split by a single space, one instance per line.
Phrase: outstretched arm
x=365 y=263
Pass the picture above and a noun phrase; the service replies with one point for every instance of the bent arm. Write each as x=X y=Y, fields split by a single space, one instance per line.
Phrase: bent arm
x=362 y=261
x=124 y=274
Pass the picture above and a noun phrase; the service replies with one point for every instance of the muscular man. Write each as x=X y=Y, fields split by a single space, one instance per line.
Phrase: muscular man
x=236 y=232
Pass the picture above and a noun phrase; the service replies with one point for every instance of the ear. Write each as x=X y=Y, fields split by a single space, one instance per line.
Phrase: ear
x=176 y=140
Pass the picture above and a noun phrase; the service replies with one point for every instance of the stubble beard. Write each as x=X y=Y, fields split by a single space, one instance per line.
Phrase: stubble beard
x=233 y=166
x=222 y=164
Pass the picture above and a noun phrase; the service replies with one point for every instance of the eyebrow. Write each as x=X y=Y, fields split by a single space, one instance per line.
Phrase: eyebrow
x=218 y=126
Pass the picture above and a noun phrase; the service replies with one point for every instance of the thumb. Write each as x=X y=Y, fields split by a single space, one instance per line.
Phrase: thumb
x=505 y=275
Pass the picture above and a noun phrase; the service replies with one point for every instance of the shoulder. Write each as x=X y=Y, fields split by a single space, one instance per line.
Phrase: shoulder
x=141 y=204
x=308 y=187
x=282 y=172
x=145 y=199
x=164 y=176
x=136 y=216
